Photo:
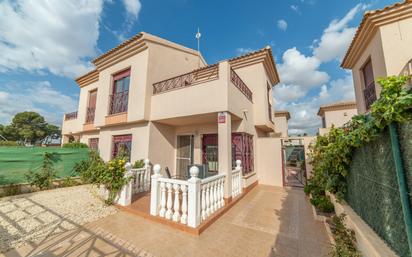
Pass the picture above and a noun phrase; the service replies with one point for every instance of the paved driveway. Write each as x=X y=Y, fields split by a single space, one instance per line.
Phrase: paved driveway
x=267 y=222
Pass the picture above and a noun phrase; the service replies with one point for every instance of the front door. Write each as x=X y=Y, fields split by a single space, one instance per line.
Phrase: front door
x=184 y=155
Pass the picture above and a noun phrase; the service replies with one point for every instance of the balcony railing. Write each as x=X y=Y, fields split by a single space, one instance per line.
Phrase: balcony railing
x=70 y=116
x=118 y=102
x=369 y=94
x=90 y=114
x=238 y=82
x=189 y=79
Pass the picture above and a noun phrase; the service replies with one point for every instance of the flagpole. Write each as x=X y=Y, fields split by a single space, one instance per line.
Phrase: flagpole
x=198 y=35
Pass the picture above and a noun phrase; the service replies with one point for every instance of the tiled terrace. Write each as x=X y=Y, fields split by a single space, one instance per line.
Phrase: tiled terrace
x=268 y=221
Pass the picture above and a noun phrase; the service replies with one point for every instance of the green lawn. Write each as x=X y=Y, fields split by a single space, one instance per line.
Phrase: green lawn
x=17 y=161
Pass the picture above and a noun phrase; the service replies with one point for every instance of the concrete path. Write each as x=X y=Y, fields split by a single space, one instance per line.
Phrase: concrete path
x=267 y=222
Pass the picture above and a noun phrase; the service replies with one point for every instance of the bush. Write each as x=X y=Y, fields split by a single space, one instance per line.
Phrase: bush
x=88 y=170
x=75 y=145
x=138 y=164
x=43 y=179
x=8 y=143
x=111 y=175
x=345 y=240
x=69 y=182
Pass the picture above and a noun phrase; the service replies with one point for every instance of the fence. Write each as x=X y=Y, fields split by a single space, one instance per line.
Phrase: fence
x=373 y=191
x=15 y=162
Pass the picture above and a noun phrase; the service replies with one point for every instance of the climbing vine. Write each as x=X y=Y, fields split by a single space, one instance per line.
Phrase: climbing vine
x=331 y=154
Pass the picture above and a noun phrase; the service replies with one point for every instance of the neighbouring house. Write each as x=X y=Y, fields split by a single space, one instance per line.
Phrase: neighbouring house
x=154 y=99
x=381 y=47
x=281 y=123
x=336 y=114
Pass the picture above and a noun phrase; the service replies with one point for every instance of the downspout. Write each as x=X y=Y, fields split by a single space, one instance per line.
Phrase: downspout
x=403 y=190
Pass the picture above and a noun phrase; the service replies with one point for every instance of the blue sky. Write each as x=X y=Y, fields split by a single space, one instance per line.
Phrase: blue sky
x=44 y=45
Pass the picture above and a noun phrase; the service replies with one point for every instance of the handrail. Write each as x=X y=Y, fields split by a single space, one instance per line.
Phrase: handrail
x=212 y=178
x=188 y=79
x=70 y=116
x=173 y=181
x=238 y=82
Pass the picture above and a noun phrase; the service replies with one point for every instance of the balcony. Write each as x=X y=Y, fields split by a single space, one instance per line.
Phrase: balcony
x=238 y=82
x=369 y=95
x=70 y=116
x=195 y=77
x=118 y=102
x=210 y=89
x=90 y=114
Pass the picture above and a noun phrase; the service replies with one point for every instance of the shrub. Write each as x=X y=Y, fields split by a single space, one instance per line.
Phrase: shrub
x=69 y=182
x=111 y=175
x=88 y=169
x=75 y=145
x=138 y=164
x=12 y=190
x=345 y=240
x=331 y=154
x=112 y=178
x=44 y=178
x=8 y=143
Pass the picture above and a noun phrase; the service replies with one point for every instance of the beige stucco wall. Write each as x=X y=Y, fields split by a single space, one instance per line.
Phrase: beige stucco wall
x=140 y=140
x=281 y=126
x=255 y=77
x=396 y=43
x=390 y=50
x=338 y=118
x=269 y=158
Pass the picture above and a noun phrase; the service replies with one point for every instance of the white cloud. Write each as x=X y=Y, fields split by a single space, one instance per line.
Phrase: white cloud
x=295 y=8
x=288 y=93
x=303 y=112
x=40 y=97
x=242 y=50
x=336 y=37
x=132 y=7
x=298 y=69
x=41 y=35
x=282 y=25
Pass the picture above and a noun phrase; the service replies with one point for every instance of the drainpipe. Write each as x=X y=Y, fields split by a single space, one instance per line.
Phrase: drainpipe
x=403 y=190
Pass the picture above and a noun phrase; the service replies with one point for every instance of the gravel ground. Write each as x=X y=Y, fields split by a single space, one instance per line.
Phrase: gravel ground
x=33 y=217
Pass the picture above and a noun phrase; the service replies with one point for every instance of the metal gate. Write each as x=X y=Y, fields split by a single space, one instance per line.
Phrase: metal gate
x=294 y=166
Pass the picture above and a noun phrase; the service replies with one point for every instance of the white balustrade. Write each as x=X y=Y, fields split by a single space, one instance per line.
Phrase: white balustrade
x=187 y=202
x=211 y=195
x=237 y=180
x=141 y=178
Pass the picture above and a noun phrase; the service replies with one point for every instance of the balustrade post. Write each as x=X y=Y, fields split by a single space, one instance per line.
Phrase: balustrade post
x=155 y=191
x=193 y=219
x=239 y=168
x=169 y=202
x=147 y=174
x=176 y=203
x=183 y=219
x=124 y=197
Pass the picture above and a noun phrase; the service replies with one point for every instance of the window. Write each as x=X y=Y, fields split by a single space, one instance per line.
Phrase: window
x=369 y=84
x=269 y=105
x=94 y=143
x=120 y=92
x=242 y=149
x=122 y=146
x=323 y=122
x=91 y=107
x=210 y=151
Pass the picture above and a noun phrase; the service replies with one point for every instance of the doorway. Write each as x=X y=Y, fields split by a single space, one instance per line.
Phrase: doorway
x=294 y=165
x=184 y=154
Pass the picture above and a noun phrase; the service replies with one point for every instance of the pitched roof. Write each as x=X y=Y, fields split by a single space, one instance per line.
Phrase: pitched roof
x=336 y=106
x=368 y=26
x=282 y=113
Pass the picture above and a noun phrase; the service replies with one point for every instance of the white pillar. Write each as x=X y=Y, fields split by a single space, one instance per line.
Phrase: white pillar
x=155 y=191
x=225 y=149
x=193 y=212
x=147 y=174
x=125 y=195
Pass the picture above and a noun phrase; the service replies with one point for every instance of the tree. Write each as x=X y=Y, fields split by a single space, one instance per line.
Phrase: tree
x=29 y=126
x=52 y=130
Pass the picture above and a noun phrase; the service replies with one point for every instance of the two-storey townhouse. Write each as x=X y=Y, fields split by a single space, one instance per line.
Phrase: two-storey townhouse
x=159 y=100
x=336 y=115
x=381 y=47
